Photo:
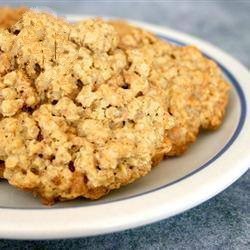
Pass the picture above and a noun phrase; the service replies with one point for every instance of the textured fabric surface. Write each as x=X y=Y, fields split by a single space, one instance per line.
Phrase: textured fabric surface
x=222 y=222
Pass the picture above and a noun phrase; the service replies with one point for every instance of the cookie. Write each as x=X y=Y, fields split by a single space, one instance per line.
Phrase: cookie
x=79 y=117
x=89 y=107
x=196 y=93
x=10 y=16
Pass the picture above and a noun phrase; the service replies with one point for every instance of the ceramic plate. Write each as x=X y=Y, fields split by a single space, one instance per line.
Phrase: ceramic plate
x=213 y=163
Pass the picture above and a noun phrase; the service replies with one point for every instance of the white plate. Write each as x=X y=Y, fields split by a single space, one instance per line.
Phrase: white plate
x=213 y=163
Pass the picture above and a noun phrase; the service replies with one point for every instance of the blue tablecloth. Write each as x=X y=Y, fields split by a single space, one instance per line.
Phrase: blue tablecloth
x=222 y=222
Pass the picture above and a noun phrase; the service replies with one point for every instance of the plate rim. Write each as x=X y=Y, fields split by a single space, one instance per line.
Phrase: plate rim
x=30 y=232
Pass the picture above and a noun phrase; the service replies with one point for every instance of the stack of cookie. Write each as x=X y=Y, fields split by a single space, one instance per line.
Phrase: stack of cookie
x=91 y=106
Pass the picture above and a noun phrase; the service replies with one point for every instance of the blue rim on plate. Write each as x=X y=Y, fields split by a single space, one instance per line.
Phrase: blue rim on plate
x=236 y=133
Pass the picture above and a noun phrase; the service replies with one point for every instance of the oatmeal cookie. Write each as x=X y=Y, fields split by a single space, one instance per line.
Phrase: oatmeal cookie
x=9 y=16
x=197 y=94
x=79 y=116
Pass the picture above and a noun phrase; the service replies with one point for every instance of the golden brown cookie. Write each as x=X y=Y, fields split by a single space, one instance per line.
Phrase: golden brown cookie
x=196 y=92
x=88 y=107
x=79 y=116
x=9 y=16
